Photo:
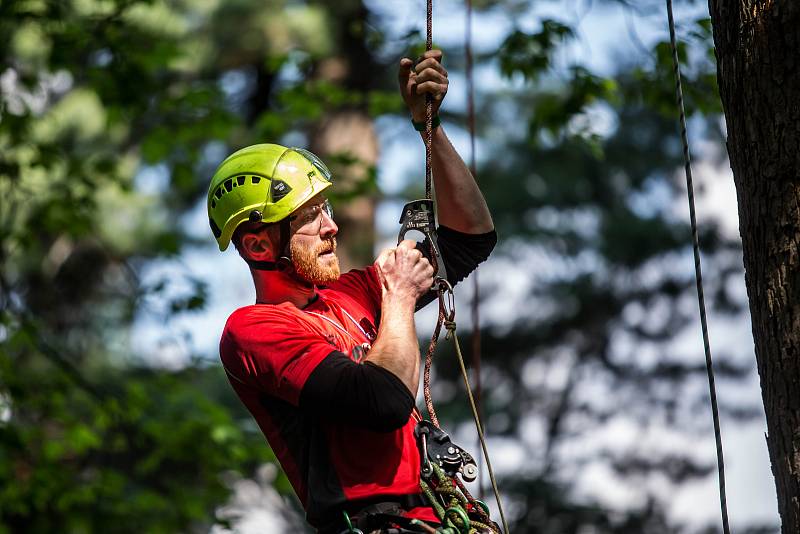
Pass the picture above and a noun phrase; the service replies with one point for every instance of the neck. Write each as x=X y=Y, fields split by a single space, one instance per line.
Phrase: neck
x=275 y=287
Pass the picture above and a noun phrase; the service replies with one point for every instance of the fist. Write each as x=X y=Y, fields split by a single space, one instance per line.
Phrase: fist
x=404 y=271
x=427 y=77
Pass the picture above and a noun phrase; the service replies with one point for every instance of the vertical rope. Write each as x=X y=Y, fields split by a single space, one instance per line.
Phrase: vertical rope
x=698 y=271
x=451 y=332
x=429 y=109
x=444 y=317
x=475 y=315
x=426 y=377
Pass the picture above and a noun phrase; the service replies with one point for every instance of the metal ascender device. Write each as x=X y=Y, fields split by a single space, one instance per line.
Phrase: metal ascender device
x=419 y=215
x=437 y=447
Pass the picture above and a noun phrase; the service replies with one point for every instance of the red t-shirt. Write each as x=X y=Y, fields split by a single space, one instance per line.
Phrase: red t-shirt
x=269 y=351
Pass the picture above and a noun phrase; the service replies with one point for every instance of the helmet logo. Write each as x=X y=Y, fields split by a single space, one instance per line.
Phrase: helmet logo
x=279 y=190
x=316 y=162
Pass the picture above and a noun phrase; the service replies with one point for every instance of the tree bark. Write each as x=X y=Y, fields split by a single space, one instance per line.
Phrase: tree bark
x=758 y=57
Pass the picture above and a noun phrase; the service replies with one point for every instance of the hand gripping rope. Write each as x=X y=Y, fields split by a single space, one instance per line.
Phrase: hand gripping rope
x=697 y=271
x=442 y=460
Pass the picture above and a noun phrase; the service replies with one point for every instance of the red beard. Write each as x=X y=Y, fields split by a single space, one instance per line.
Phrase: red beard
x=308 y=264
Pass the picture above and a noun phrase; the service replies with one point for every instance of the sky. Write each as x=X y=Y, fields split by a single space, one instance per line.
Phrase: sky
x=606 y=35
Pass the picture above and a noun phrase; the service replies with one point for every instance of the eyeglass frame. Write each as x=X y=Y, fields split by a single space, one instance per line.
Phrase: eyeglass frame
x=316 y=212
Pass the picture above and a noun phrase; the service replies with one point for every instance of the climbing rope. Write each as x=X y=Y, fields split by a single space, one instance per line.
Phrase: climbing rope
x=429 y=109
x=451 y=504
x=441 y=488
x=475 y=308
x=450 y=324
x=447 y=314
x=697 y=269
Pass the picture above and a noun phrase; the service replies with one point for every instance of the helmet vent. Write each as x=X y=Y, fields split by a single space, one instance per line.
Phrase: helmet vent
x=240 y=180
x=214 y=228
x=279 y=190
x=213 y=204
x=228 y=185
x=255 y=179
x=219 y=192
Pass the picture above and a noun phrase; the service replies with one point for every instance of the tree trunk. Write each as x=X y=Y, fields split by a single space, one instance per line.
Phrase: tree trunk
x=758 y=56
x=353 y=132
x=350 y=130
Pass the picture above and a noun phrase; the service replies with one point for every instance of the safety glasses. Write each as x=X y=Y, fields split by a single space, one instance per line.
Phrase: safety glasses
x=309 y=220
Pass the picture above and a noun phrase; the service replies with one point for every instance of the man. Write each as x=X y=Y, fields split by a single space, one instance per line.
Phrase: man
x=327 y=364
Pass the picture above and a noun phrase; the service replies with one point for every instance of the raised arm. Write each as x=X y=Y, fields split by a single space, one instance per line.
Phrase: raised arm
x=459 y=201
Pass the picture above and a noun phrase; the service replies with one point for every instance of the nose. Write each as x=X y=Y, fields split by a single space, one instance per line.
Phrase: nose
x=328 y=227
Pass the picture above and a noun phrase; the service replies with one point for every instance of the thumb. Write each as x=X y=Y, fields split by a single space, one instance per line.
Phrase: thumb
x=380 y=261
x=383 y=256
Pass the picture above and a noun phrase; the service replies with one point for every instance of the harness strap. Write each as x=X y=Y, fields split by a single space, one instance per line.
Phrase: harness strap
x=379 y=515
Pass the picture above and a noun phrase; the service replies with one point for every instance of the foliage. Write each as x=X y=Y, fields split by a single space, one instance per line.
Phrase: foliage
x=110 y=109
x=114 y=114
x=142 y=450
x=581 y=187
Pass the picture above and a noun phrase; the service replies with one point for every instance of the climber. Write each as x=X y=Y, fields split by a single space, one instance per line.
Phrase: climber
x=328 y=364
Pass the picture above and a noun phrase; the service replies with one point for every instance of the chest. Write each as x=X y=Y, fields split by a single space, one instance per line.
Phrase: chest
x=348 y=329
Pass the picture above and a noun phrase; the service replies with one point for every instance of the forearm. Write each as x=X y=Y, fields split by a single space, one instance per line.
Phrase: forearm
x=459 y=202
x=396 y=348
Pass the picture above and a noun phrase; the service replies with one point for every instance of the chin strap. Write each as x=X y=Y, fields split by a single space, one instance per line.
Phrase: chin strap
x=283 y=265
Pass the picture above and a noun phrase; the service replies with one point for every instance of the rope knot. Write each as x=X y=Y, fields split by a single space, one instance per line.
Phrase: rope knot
x=451 y=328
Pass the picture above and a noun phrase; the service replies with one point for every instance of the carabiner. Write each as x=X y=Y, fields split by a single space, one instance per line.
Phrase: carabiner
x=350 y=528
x=447 y=298
x=462 y=515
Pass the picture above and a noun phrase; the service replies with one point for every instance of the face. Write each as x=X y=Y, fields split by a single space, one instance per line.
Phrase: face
x=313 y=242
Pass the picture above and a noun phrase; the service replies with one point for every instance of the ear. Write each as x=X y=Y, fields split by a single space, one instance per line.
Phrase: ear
x=257 y=246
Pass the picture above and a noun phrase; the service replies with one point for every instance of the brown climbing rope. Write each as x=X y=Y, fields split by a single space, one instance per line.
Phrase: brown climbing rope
x=450 y=490
x=473 y=168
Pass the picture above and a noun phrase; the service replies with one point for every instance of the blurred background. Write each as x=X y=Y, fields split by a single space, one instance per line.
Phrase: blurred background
x=115 y=415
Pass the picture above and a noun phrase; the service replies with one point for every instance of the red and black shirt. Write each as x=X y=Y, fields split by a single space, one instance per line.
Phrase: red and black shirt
x=342 y=430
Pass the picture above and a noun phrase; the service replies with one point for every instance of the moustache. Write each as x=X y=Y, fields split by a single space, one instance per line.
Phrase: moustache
x=329 y=245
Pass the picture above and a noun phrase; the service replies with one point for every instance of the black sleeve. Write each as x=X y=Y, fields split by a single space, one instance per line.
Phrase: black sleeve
x=461 y=254
x=364 y=395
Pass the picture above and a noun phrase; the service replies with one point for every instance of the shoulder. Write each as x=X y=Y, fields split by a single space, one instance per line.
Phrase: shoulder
x=259 y=320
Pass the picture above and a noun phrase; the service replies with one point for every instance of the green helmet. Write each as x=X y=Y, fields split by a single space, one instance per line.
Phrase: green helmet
x=262 y=183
